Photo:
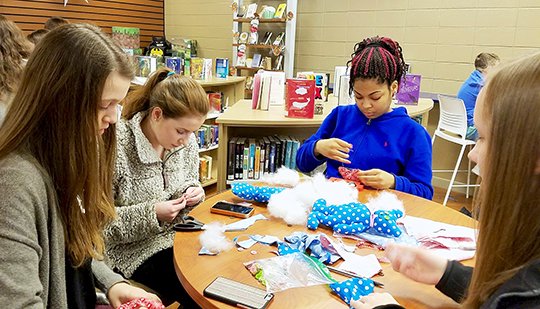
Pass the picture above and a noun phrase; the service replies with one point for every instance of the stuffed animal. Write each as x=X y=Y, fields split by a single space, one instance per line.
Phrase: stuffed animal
x=354 y=218
x=250 y=192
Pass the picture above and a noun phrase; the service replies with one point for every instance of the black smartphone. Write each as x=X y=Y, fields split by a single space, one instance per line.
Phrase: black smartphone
x=231 y=209
x=238 y=294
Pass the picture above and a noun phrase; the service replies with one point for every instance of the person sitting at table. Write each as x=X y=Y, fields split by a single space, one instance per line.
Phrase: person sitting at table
x=391 y=150
x=57 y=147
x=507 y=271
x=156 y=179
x=14 y=51
x=468 y=92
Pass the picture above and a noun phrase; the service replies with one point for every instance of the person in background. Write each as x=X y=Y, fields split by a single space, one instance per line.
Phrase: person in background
x=14 y=50
x=37 y=35
x=156 y=180
x=507 y=271
x=55 y=21
x=57 y=147
x=468 y=92
x=391 y=150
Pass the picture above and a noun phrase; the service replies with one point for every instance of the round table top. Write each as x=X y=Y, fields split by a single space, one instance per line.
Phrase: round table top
x=196 y=272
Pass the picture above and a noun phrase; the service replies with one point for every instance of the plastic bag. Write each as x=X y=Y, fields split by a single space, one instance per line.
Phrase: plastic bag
x=289 y=271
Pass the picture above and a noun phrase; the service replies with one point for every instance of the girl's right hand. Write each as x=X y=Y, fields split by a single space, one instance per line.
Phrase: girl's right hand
x=418 y=264
x=333 y=148
x=168 y=210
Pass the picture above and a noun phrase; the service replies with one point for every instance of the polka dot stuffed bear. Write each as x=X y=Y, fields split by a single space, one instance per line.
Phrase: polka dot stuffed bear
x=354 y=218
x=250 y=192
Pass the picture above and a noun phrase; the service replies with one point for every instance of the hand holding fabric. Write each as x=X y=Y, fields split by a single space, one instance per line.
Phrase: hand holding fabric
x=418 y=264
x=333 y=148
x=122 y=292
x=377 y=179
x=373 y=300
x=168 y=210
x=194 y=195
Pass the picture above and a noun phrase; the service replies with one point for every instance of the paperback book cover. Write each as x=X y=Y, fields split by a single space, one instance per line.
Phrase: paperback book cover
x=145 y=65
x=300 y=98
x=214 y=100
x=222 y=67
x=197 y=68
x=409 y=90
x=175 y=63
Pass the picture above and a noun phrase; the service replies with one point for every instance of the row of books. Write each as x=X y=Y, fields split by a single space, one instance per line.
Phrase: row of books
x=251 y=158
x=197 y=68
x=205 y=168
x=207 y=136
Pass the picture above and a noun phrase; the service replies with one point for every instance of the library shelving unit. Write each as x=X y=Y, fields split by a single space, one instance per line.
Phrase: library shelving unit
x=241 y=120
x=276 y=26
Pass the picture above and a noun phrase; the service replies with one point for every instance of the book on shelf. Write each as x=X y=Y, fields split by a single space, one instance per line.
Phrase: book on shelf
x=175 y=63
x=251 y=10
x=280 y=11
x=215 y=102
x=256 y=62
x=146 y=65
x=207 y=136
x=252 y=158
x=207 y=69
x=222 y=67
x=338 y=72
x=197 y=68
x=209 y=167
x=203 y=169
x=321 y=83
x=266 y=40
x=344 y=96
x=300 y=98
x=409 y=90
x=262 y=87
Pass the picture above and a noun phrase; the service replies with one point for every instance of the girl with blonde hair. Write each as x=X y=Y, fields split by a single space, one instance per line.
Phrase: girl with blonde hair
x=156 y=179
x=57 y=148
x=507 y=271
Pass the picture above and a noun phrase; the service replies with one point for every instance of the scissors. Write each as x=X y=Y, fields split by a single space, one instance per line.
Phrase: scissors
x=190 y=224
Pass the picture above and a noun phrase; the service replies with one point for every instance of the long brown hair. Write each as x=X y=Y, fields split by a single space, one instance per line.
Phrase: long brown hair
x=509 y=197
x=175 y=94
x=14 y=47
x=54 y=117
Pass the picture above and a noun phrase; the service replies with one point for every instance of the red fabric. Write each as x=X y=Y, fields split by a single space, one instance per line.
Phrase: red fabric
x=350 y=176
x=142 y=303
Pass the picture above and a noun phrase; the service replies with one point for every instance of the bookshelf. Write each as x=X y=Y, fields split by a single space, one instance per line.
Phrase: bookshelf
x=286 y=25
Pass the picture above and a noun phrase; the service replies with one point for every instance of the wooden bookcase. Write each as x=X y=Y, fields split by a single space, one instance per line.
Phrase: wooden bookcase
x=274 y=25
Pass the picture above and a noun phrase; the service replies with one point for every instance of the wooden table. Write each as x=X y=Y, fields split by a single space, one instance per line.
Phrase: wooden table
x=241 y=120
x=196 y=272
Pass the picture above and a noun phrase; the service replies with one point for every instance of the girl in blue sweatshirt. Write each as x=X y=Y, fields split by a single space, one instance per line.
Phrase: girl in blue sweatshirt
x=391 y=150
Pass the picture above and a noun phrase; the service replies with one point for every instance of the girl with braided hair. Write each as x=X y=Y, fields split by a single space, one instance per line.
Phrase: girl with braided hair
x=390 y=150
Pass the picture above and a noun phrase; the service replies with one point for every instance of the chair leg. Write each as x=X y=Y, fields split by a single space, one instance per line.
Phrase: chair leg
x=468 y=178
x=454 y=175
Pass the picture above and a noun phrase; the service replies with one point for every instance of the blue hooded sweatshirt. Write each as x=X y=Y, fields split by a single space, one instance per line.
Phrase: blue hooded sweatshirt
x=393 y=142
x=469 y=92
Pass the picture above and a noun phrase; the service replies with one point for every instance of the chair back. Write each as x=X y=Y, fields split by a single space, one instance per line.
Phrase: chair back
x=453 y=116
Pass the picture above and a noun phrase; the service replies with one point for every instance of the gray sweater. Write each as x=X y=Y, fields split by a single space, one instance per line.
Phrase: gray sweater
x=32 y=247
x=141 y=180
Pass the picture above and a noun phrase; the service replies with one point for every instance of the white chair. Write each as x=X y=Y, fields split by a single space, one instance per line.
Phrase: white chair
x=453 y=128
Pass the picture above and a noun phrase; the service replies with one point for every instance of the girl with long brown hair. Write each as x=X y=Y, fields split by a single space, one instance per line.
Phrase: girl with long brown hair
x=57 y=150
x=14 y=50
x=507 y=271
x=156 y=179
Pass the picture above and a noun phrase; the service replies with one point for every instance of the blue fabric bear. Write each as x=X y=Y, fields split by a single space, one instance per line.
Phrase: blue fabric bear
x=353 y=288
x=250 y=192
x=354 y=218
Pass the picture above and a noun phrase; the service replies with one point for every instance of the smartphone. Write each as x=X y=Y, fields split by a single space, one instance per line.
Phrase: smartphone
x=230 y=209
x=238 y=294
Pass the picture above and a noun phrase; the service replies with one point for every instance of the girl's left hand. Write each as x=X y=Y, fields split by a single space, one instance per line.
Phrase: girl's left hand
x=377 y=179
x=194 y=195
x=122 y=292
x=373 y=300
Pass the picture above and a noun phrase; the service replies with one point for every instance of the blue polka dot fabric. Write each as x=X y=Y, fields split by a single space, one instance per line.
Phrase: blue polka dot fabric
x=353 y=218
x=284 y=249
x=250 y=192
x=353 y=289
